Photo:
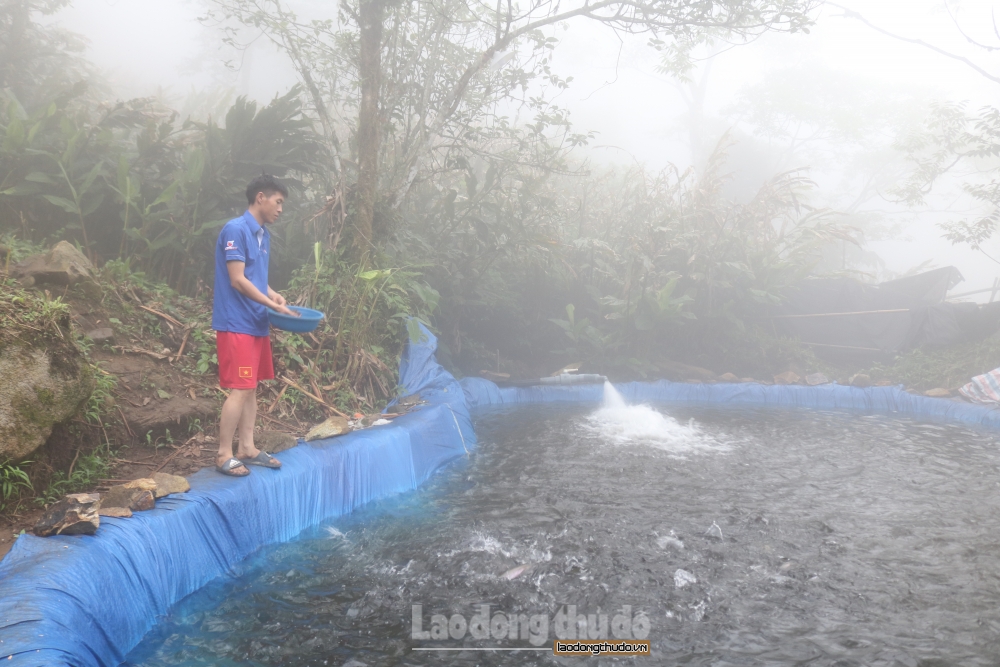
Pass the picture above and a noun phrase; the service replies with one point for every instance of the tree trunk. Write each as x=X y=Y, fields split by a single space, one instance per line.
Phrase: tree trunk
x=371 y=16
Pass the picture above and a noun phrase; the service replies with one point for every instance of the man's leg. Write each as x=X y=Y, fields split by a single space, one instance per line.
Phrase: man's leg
x=248 y=417
x=230 y=419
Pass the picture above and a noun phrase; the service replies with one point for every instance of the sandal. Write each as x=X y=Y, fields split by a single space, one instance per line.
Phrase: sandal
x=232 y=464
x=263 y=459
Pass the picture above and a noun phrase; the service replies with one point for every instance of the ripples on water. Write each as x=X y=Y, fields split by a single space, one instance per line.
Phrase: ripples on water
x=747 y=537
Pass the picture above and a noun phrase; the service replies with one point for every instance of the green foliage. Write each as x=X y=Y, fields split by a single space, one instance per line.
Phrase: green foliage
x=949 y=367
x=88 y=471
x=951 y=138
x=102 y=397
x=354 y=352
x=13 y=478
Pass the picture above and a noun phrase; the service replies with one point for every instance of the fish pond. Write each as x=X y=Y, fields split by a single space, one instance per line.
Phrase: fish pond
x=721 y=536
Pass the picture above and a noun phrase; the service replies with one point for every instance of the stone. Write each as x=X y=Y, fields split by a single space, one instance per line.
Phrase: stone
x=816 y=378
x=118 y=512
x=333 y=426
x=788 y=377
x=99 y=335
x=407 y=402
x=937 y=392
x=167 y=484
x=62 y=265
x=274 y=441
x=143 y=483
x=860 y=380
x=136 y=495
x=728 y=377
x=41 y=387
x=746 y=380
x=76 y=514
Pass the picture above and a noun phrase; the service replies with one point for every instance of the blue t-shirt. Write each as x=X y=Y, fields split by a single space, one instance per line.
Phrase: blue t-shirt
x=242 y=239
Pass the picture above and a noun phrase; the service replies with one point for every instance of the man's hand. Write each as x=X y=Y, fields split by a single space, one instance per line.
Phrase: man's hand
x=282 y=304
x=242 y=284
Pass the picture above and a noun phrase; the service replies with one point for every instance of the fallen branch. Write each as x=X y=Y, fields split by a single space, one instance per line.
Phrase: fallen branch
x=169 y=458
x=139 y=350
x=187 y=332
x=319 y=400
x=168 y=318
x=125 y=421
x=138 y=463
x=277 y=400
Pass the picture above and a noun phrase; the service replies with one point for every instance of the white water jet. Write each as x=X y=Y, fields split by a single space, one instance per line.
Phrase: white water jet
x=626 y=424
x=612 y=399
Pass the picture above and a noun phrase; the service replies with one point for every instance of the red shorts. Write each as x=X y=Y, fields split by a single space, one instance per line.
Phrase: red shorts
x=243 y=359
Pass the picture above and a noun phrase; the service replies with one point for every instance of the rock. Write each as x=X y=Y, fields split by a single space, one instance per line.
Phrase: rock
x=167 y=484
x=683 y=578
x=409 y=401
x=728 y=377
x=746 y=380
x=860 y=380
x=102 y=334
x=143 y=483
x=274 y=441
x=788 y=377
x=118 y=512
x=62 y=265
x=136 y=495
x=816 y=378
x=674 y=370
x=76 y=514
x=937 y=392
x=40 y=388
x=333 y=426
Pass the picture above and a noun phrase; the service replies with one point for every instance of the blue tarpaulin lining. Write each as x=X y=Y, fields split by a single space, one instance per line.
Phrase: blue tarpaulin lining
x=482 y=393
x=88 y=600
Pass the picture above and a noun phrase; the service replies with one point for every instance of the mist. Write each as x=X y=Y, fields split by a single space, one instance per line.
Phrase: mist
x=638 y=114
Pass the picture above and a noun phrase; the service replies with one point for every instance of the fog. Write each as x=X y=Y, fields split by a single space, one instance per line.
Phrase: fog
x=639 y=115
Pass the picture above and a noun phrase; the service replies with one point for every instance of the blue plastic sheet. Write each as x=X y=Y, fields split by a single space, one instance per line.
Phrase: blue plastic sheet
x=482 y=393
x=87 y=600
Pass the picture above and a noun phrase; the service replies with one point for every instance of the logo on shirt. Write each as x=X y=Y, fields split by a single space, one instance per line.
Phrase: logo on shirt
x=246 y=372
x=230 y=245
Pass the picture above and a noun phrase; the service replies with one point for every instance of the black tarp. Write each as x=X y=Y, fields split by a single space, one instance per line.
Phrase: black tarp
x=919 y=316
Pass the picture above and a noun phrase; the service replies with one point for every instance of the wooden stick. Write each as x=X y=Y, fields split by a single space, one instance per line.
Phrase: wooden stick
x=169 y=459
x=859 y=312
x=125 y=421
x=138 y=463
x=137 y=350
x=168 y=318
x=187 y=332
x=277 y=400
x=319 y=400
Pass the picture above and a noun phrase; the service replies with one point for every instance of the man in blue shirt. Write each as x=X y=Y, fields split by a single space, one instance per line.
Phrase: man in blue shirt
x=239 y=317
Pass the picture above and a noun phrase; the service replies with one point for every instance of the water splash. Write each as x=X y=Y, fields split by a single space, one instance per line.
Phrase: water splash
x=625 y=424
x=612 y=399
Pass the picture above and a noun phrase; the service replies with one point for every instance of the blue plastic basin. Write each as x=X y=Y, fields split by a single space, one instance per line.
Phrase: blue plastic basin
x=309 y=320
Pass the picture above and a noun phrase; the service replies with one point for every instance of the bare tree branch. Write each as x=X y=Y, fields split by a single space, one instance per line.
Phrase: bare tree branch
x=851 y=14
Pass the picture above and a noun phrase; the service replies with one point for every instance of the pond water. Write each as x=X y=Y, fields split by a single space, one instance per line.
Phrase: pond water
x=723 y=537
